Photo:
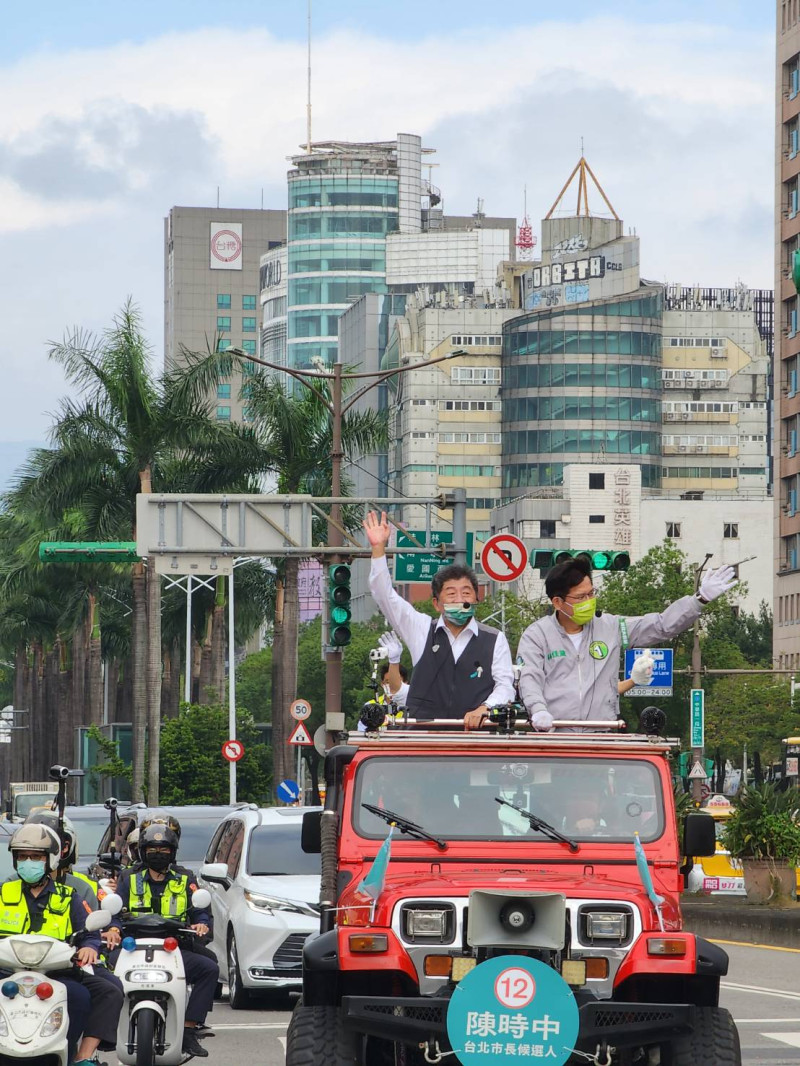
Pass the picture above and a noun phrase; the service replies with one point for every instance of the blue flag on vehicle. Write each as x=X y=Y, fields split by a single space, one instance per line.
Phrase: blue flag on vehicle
x=372 y=885
x=647 y=880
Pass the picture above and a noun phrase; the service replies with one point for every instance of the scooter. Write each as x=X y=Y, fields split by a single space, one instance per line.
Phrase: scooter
x=150 y=967
x=33 y=1008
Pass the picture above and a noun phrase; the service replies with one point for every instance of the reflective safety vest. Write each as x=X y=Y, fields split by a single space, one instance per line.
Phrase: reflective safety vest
x=174 y=899
x=15 y=916
x=90 y=882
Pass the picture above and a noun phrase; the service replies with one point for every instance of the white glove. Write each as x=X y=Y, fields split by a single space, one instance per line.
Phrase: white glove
x=542 y=722
x=717 y=583
x=391 y=642
x=642 y=669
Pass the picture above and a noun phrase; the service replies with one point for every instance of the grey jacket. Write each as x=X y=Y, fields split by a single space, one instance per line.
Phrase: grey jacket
x=582 y=685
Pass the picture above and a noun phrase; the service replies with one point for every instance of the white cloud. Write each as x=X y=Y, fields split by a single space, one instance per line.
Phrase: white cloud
x=677 y=121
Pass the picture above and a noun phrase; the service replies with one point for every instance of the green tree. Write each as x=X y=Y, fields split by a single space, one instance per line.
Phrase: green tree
x=253 y=685
x=192 y=767
x=128 y=433
x=754 y=711
x=294 y=427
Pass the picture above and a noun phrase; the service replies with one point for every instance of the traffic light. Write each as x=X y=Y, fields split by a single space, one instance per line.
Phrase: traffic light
x=339 y=595
x=598 y=560
x=57 y=551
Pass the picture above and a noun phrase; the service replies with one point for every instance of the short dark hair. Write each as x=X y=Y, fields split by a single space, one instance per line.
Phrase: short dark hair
x=385 y=671
x=454 y=572
x=566 y=576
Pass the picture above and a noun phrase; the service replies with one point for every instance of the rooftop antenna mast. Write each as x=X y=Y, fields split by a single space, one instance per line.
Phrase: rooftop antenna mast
x=525 y=241
x=308 y=93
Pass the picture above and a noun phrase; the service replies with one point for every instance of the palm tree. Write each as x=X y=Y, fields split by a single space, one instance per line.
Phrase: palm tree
x=128 y=432
x=294 y=430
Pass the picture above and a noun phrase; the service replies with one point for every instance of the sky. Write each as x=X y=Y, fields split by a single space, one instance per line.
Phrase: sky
x=112 y=113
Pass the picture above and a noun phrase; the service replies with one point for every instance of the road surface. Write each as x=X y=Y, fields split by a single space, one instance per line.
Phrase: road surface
x=762 y=990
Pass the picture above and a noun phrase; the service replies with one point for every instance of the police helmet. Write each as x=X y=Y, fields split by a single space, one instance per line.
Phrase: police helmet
x=158 y=835
x=69 y=837
x=37 y=838
x=162 y=818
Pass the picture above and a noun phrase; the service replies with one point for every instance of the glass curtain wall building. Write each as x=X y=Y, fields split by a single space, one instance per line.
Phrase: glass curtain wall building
x=343 y=200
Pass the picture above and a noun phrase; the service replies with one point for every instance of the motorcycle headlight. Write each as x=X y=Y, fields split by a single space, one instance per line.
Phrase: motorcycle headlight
x=156 y=977
x=31 y=956
x=258 y=902
x=52 y=1023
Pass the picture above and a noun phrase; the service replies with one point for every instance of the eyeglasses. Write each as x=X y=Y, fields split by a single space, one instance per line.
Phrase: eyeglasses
x=581 y=599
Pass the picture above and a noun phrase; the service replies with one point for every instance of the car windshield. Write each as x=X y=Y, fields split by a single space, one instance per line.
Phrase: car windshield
x=275 y=850
x=196 y=834
x=586 y=799
x=24 y=802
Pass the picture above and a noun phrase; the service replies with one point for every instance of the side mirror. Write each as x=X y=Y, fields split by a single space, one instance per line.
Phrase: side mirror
x=97 y=920
x=112 y=903
x=699 y=835
x=311 y=833
x=216 y=873
x=201 y=898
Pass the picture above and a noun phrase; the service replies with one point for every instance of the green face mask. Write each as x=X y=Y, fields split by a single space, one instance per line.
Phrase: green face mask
x=458 y=613
x=584 y=612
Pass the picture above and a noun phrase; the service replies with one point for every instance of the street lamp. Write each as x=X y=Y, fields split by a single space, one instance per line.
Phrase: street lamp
x=334 y=716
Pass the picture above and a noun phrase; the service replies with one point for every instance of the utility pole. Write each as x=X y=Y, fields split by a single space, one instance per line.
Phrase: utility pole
x=334 y=715
x=698 y=753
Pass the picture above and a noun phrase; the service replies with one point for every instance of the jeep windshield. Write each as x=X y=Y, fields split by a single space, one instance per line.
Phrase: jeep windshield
x=583 y=798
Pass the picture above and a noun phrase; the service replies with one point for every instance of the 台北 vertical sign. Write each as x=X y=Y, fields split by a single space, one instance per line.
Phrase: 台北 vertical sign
x=225 y=248
x=697 y=721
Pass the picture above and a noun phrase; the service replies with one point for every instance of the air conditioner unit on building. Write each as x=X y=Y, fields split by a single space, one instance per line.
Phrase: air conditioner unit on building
x=681 y=447
x=685 y=416
x=700 y=448
x=720 y=384
x=669 y=416
x=717 y=353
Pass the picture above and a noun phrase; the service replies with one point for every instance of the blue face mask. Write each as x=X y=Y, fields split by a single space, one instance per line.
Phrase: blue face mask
x=459 y=613
x=31 y=870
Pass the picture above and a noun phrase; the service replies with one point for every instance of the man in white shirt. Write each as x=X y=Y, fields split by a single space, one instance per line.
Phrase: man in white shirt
x=461 y=667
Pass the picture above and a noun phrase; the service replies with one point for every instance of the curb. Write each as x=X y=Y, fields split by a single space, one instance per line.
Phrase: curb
x=753 y=924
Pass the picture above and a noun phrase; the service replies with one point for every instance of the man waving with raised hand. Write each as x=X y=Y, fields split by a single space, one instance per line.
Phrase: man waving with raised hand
x=461 y=667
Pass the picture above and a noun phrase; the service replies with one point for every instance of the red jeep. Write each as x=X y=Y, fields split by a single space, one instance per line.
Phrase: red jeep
x=518 y=844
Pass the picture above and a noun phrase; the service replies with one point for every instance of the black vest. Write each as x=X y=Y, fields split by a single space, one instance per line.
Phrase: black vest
x=443 y=688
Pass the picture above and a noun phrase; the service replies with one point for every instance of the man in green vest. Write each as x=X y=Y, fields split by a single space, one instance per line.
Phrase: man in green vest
x=84 y=887
x=34 y=903
x=159 y=886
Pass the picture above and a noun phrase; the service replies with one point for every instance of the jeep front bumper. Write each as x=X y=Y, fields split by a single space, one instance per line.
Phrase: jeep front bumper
x=417 y=1019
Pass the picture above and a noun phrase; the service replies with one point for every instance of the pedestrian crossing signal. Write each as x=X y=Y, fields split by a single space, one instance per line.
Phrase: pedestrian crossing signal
x=608 y=561
x=339 y=596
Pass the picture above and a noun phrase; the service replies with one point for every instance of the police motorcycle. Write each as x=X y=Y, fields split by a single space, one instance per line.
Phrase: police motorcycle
x=150 y=967
x=33 y=1002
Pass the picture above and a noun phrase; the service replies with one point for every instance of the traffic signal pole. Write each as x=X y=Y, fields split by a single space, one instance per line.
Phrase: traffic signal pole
x=334 y=715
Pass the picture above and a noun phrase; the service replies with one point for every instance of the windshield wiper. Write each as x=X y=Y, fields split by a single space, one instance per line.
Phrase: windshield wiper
x=405 y=826
x=540 y=826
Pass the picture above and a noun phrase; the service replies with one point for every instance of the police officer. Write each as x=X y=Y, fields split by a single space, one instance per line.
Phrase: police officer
x=34 y=903
x=159 y=886
x=84 y=887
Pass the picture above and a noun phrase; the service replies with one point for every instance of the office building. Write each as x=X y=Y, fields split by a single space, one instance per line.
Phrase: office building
x=211 y=285
x=786 y=644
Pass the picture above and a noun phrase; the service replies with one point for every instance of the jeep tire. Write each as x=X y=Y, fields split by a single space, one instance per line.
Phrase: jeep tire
x=713 y=1042
x=316 y=1037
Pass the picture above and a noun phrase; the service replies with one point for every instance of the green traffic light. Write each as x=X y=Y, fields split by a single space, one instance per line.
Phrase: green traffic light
x=339 y=596
x=541 y=559
x=340 y=615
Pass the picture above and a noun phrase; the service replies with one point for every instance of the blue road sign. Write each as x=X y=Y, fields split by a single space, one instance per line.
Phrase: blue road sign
x=661 y=683
x=288 y=791
x=512 y=1005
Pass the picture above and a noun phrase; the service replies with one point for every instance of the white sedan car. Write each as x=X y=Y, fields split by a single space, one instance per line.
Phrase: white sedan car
x=264 y=899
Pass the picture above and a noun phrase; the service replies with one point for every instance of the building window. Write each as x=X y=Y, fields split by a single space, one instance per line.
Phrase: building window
x=223 y=323
x=597 y=519
x=223 y=414
x=597 y=481
x=249 y=347
x=673 y=530
x=547 y=528
x=223 y=301
x=248 y=325
x=730 y=530
x=224 y=343
x=223 y=392
x=248 y=303
x=475 y=375
x=248 y=368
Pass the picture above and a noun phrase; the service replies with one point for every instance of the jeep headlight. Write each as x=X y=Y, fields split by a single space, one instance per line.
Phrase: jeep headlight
x=431 y=925
x=257 y=901
x=605 y=925
x=52 y=1023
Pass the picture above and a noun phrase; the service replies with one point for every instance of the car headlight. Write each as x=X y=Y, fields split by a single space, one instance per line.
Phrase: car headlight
x=605 y=925
x=31 y=956
x=52 y=1023
x=256 y=901
x=430 y=925
x=156 y=977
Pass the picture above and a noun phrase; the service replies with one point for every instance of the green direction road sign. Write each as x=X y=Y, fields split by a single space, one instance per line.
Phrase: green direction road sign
x=697 y=705
x=422 y=567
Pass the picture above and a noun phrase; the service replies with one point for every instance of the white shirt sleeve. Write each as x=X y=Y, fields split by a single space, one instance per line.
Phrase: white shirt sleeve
x=503 y=674
x=410 y=625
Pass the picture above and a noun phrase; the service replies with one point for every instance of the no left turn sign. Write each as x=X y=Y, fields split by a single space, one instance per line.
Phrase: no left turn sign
x=504 y=557
x=232 y=750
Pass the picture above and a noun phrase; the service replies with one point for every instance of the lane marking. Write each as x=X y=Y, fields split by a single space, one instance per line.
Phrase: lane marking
x=251 y=1025
x=766 y=1021
x=760 y=991
x=283 y=1043
x=792 y=1039
x=761 y=947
